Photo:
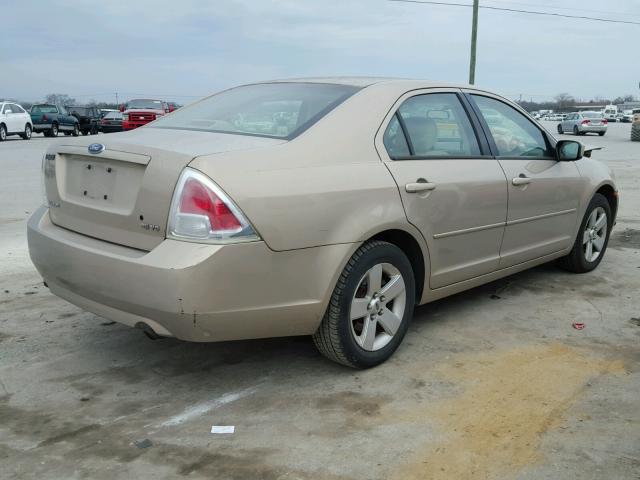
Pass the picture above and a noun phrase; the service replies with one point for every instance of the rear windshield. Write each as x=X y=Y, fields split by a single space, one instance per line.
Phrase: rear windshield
x=44 y=109
x=150 y=104
x=78 y=110
x=113 y=116
x=591 y=115
x=279 y=110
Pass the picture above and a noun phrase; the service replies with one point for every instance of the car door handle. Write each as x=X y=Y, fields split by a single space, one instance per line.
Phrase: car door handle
x=521 y=180
x=419 y=186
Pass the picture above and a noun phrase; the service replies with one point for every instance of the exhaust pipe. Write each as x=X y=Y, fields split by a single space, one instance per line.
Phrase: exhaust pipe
x=148 y=331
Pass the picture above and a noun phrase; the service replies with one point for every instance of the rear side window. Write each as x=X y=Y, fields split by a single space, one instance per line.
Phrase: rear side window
x=278 y=110
x=394 y=140
x=435 y=125
x=513 y=133
x=17 y=108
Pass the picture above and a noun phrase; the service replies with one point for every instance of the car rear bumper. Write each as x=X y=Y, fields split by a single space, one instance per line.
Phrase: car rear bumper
x=592 y=128
x=41 y=126
x=191 y=291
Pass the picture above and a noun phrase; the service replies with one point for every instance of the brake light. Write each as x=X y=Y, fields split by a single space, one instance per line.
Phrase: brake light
x=585 y=122
x=605 y=121
x=202 y=212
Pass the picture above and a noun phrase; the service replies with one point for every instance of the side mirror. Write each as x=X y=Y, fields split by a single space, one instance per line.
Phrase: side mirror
x=569 y=150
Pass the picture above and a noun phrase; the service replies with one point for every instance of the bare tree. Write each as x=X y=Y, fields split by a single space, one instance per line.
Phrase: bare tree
x=59 y=99
x=564 y=101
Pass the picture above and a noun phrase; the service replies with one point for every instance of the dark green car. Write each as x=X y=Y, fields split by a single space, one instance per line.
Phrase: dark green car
x=52 y=119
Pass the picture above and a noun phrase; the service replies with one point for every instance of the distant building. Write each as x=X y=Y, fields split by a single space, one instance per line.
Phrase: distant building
x=628 y=106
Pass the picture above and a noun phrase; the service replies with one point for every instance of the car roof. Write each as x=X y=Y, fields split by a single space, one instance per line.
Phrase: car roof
x=367 y=81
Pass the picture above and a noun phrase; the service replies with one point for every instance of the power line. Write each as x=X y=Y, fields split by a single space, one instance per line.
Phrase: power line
x=555 y=7
x=514 y=10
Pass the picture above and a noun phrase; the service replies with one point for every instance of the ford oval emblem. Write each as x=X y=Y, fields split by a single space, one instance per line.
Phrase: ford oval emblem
x=96 y=148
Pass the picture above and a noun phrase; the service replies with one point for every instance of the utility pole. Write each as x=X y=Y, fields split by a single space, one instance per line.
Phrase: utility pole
x=117 y=99
x=474 y=37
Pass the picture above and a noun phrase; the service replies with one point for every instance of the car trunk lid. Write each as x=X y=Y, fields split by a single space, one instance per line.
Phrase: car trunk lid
x=123 y=194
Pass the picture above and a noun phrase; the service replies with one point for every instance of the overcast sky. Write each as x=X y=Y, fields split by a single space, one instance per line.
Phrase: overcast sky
x=182 y=49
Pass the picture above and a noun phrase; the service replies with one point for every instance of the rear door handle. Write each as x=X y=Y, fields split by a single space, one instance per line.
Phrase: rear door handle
x=420 y=186
x=521 y=180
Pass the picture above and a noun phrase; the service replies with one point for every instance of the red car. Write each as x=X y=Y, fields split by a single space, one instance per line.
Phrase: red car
x=138 y=112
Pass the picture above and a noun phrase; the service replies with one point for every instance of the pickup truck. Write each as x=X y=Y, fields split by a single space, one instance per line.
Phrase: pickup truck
x=139 y=112
x=52 y=119
x=88 y=118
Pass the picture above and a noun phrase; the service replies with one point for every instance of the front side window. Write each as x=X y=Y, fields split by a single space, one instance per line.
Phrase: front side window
x=513 y=134
x=278 y=110
x=436 y=125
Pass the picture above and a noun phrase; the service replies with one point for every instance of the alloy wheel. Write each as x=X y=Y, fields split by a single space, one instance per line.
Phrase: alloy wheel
x=595 y=234
x=377 y=308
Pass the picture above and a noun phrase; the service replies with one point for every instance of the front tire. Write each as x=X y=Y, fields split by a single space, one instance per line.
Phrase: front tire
x=370 y=308
x=593 y=237
x=560 y=131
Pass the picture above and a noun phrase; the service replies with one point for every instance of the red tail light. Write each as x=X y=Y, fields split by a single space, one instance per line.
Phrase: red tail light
x=197 y=199
x=605 y=121
x=585 y=122
x=201 y=211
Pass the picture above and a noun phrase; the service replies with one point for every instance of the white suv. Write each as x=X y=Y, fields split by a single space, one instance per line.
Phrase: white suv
x=14 y=120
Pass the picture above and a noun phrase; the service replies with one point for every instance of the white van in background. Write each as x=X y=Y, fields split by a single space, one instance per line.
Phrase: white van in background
x=610 y=112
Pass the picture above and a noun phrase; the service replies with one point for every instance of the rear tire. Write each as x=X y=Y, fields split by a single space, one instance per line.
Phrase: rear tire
x=601 y=134
x=575 y=130
x=27 y=132
x=54 y=130
x=76 y=130
x=560 y=131
x=361 y=328
x=592 y=239
x=3 y=132
x=635 y=133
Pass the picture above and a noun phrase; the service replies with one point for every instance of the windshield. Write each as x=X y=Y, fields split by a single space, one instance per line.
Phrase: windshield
x=150 y=104
x=281 y=110
x=44 y=109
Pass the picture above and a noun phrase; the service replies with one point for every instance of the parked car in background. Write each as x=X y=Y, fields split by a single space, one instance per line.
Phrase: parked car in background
x=52 y=119
x=581 y=123
x=104 y=111
x=627 y=116
x=323 y=207
x=139 y=112
x=111 y=122
x=14 y=120
x=88 y=118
